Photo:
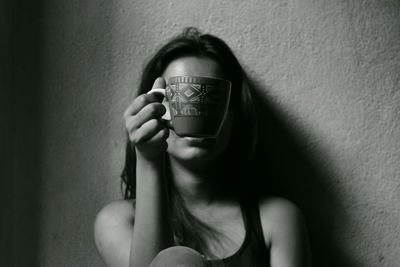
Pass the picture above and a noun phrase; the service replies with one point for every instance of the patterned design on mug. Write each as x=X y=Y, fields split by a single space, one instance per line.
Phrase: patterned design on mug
x=191 y=99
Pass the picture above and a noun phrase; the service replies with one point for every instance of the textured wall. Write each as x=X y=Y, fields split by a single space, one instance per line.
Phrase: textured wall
x=330 y=68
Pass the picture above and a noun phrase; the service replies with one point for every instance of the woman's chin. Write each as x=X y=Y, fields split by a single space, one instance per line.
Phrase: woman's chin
x=192 y=153
x=192 y=150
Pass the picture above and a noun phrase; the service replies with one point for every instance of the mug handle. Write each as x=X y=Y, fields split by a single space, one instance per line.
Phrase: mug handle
x=166 y=122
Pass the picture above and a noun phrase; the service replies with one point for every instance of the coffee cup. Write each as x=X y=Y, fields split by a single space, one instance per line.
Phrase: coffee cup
x=197 y=105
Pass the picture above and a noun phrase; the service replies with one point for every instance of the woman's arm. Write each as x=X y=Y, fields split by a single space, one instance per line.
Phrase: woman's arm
x=152 y=229
x=152 y=232
x=285 y=232
x=132 y=233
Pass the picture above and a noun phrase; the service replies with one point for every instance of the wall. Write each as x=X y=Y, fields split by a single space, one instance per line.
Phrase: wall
x=20 y=133
x=329 y=69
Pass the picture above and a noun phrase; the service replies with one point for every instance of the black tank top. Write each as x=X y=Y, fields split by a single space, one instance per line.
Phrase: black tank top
x=253 y=252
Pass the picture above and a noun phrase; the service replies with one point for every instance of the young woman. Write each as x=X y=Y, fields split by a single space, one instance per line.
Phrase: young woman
x=188 y=201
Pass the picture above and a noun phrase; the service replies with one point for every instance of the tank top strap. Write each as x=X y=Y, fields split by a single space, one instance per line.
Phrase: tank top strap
x=252 y=221
x=253 y=251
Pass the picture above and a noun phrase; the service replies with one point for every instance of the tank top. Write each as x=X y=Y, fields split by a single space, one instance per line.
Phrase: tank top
x=253 y=251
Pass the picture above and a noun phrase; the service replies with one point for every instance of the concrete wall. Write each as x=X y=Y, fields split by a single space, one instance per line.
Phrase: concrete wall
x=329 y=68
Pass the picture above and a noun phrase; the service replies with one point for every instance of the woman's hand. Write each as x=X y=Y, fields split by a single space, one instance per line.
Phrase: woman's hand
x=143 y=122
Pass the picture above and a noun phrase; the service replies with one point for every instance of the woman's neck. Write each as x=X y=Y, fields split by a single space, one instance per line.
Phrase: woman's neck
x=198 y=186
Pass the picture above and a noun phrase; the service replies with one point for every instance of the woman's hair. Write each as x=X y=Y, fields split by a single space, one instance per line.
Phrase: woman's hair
x=239 y=153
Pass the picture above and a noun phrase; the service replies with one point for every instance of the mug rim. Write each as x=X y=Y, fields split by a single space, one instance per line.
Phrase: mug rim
x=197 y=77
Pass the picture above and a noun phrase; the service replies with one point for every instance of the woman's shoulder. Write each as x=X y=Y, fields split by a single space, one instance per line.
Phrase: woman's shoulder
x=113 y=225
x=277 y=206
x=116 y=213
x=279 y=217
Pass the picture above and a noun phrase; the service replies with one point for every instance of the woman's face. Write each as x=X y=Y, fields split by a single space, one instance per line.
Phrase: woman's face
x=198 y=150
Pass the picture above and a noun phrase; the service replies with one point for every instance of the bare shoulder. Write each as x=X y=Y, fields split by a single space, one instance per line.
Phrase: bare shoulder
x=112 y=230
x=284 y=232
x=279 y=215
x=274 y=206
x=121 y=211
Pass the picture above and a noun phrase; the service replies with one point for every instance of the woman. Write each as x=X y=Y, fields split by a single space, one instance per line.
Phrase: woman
x=193 y=194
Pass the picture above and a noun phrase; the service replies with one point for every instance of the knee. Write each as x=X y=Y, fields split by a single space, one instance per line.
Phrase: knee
x=178 y=256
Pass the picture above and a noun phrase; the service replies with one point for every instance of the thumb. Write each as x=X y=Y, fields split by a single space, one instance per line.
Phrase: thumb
x=159 y=83
x=158 y=88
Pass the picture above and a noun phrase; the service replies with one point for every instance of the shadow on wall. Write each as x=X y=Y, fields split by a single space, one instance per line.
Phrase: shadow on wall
x=295 y=175
x=20 y=132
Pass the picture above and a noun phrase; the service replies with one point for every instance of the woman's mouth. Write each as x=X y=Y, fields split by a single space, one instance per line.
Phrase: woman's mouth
x=199 y=141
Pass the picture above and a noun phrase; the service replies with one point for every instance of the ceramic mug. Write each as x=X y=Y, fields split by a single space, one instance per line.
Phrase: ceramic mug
x=197 y=105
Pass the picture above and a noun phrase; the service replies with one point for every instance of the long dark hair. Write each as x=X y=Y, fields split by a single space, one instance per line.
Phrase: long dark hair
x=239 y=153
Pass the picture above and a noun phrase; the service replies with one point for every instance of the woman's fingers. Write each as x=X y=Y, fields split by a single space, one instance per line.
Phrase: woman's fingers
x=146 y=132
x=140 y=102
x=145 y=99
x=159 y=138
x=144 y=123
x=150 y=111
